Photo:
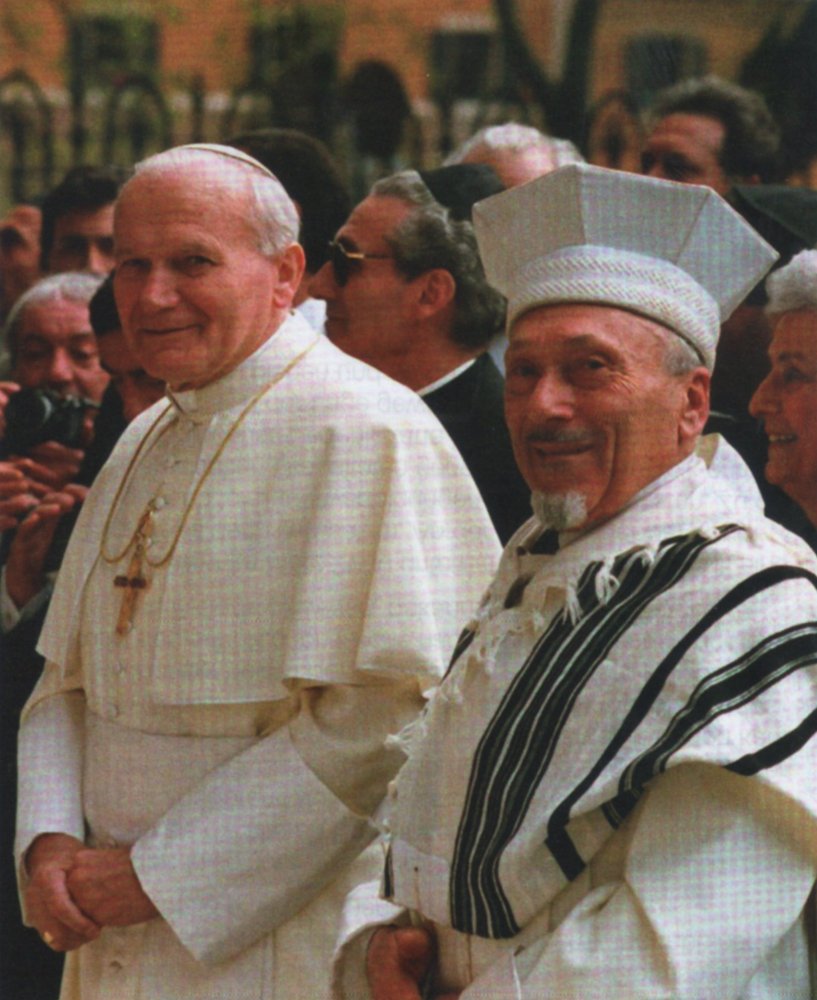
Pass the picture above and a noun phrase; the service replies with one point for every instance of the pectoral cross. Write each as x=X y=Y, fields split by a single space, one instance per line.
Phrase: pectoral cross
x=134 y=582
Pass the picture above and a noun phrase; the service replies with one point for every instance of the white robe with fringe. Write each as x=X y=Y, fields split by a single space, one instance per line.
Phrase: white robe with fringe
x=612 y=794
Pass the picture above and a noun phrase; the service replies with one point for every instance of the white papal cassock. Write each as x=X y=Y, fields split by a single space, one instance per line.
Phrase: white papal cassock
x=235 y=734
x=620 y=764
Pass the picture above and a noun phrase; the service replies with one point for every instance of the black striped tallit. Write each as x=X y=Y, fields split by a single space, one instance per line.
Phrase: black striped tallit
x=516 y=749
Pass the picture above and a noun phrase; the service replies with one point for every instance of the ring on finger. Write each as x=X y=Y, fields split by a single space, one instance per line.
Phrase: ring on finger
x=48 y=937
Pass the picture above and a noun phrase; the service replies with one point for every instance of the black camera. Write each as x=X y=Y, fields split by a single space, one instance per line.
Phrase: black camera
x=37 y=415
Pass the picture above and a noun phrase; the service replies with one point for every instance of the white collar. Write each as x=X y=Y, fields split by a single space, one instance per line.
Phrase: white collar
x=446 y=378
x=314 y=312
x=198 y=405
x=711 y=485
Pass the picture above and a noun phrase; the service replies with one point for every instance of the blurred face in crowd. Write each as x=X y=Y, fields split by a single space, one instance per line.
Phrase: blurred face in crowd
x=194 y=293
x=56 y=349
x=136 y=388
x=19 y=253
x=368 y=301
x=592 y=411
x=786 y=401
x=686 y=148
x=83 y=241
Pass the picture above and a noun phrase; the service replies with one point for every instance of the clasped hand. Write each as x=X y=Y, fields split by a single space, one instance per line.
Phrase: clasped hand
x=399 y=961
x=75 y=891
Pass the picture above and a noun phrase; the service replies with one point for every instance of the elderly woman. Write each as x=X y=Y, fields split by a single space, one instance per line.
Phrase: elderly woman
x=786 y=400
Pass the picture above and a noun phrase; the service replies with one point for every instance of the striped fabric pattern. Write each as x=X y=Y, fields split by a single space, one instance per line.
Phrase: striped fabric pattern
x=517 y=747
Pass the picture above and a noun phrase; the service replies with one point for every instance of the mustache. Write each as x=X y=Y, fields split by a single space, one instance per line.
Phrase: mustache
x=554 y=435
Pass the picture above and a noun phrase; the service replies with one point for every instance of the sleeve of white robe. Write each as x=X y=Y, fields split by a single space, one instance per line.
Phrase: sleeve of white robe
x=50 y=755
x=263 y=834
x=717 y=869
x=50 y=752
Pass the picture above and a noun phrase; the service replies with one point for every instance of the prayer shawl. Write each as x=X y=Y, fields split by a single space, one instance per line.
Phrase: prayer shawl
x=682 y=631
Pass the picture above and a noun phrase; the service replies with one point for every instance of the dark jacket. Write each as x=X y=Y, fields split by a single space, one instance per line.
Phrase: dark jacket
x=470 y=407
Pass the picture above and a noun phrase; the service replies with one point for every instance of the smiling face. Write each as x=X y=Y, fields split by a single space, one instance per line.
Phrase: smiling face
x=687 y=148
x=195 y=294
x=786 y=401
x=591 y=409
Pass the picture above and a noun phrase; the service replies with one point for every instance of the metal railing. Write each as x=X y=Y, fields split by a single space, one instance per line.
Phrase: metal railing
x=42 y=133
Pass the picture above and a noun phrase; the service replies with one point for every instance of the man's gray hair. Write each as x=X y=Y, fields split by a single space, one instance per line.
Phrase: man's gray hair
x=515 y=138
x=430 y=238
x=680 y=357
x=272 y=212
x=70 y=286
x=793 y=286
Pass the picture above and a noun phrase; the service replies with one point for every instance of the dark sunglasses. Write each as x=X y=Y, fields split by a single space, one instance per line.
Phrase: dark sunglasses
x=345 y=261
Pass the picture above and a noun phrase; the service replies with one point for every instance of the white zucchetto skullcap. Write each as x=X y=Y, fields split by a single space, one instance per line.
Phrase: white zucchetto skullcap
x=675 y=253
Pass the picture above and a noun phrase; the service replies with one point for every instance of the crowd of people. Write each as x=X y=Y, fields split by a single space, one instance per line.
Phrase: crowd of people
x=414 y=598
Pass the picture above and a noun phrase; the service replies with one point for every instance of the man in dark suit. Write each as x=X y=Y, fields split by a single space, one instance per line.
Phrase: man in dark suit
x=406 y=293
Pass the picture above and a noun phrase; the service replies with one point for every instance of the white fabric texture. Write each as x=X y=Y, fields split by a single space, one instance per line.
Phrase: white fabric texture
x=689 y=881
x=335 y=490
x=235 y=736
x=676 y=253
x=646 y=285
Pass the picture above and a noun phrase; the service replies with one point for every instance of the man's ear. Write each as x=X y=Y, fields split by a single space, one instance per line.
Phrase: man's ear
x=436 y=290
x=289 y=269
x=695 y=407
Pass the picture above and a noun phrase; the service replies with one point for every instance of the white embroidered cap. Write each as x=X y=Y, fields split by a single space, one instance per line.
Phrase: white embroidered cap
x=675 y=253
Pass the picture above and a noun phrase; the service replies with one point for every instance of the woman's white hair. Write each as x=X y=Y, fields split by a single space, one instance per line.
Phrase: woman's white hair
x=272 y=212
x=794 y=286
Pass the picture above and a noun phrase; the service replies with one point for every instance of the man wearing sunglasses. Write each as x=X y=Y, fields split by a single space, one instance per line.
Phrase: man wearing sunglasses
x=406 y=293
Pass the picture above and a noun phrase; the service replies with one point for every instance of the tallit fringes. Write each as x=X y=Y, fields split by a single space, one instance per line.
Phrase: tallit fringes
x=573 y=607
x=451 y=690
x=605 y=583
x=411 y=733
x=538 y=620
x=648 y=554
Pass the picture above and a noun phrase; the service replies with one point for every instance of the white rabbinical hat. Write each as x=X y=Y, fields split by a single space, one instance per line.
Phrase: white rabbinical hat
x=675 y=253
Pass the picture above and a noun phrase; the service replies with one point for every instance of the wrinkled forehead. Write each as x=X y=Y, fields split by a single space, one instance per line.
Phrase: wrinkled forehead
x=582 y=325
x=202 y=180
x=55 y=321
x=203 y=204
x=795 y=335
x=689 y=130
x=373 y=219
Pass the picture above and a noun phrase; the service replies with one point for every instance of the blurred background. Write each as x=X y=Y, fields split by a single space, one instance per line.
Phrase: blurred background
x=385 y=83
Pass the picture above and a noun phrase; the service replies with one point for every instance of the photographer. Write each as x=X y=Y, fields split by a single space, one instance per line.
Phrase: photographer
x=36 y=548
x=49 y=346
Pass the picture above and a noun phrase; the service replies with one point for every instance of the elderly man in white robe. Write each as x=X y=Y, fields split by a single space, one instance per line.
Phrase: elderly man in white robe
x=265 y=578
x=612 y=794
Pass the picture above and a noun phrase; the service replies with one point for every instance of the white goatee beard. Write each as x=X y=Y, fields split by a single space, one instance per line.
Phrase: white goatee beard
x=560 y=511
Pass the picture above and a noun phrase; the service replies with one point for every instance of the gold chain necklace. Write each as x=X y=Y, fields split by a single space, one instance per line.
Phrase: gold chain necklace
x=134 y=582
